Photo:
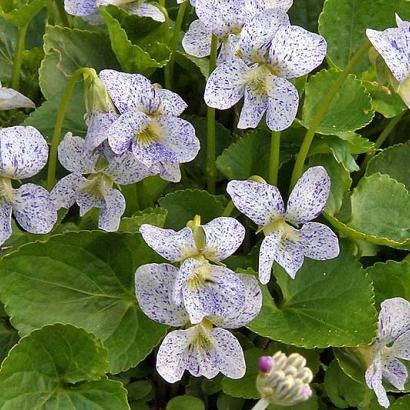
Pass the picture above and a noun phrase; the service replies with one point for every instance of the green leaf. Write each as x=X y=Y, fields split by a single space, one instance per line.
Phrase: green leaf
x=185 y=403
x=350 y=110
x=139 y=389
x=66 y=50
x=353 y=362
x=132 y=57
x=187 y=61
x=8 y=337
x=226 y=402
x=390 y=279
x=344 y=22
x=311 y=404
x=306 y=14
x=85 y=279
x=8 y=36
x=152 y=216
x=250 y=156
x=182 y=206
x=403 y=403
x=391 y=161
x=321 y=307
x=24 y=12
x=59 y=367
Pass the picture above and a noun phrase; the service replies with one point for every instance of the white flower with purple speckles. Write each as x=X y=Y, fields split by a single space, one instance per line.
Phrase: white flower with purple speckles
x=23 y=153
x=103 y=169
x=201 y=349
x=392 y=343
x=204 y=289
x=393 y=45
x=149 y=124
x=284 y=242
x=271 y=52
x=89 y=9
x=225 y=19
x=10 y=99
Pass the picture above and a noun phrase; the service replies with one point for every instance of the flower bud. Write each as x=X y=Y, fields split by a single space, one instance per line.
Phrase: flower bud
x=96 y=95
x=284 y=381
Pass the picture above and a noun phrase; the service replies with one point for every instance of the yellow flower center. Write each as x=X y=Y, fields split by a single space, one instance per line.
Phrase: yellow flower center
x=97 y=185
x=6 y=190
x=200 y=277
x=285 y=230
x=150 y=134
x=257 y=79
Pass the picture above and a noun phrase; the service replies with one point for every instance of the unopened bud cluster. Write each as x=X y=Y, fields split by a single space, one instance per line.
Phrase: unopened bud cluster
x=284 y=380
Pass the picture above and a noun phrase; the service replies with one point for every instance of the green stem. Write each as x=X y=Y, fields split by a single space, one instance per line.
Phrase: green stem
x=321 y=112
x=228 y=209
x=169 y=69
x=211 y=127
x=162 y=3
x=274 y=158
x=62 y=13
x=52 y=163
x=18 y=57
x=50 y=12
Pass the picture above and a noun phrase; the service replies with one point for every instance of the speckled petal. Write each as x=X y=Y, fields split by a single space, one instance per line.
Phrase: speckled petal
x=229 y=48
x=86 y=201
x=170 y=103
x=169 y=171
x=226 y=85
x=374 y=381
x=201 y=362
x=260 y=202
x=80 y=7
x=395 y=372
x=287 y=253
x=283 y=5
x=153 y=287
x=257 y=35
x=394 y=319
x=172 y=355
x=401 y=347
x=171 y=245
x=254 y=108
x=5 y=222
x=10 y=99
x=319 y=241
x=283 y=102
x=296 y=52
x=223 y=237
x=128 y=91
x=221 y=295
x=34 y=209
x=123 y=130
x=73 y=157
x=230 y=358
x=98 y=124
x=111 y=211
x=393 y=45
x=251 y=307
x=23 y=152
x=309 y=196
x=146 y=10
x=197 y=40
x=64 y=193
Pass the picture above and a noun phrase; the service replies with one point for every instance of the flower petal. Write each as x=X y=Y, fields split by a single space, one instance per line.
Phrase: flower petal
x=86 y=201
x=395 y=372
x=230 y=357
x=287 y=253
x=309 y=196
x=319 y=241
x=296 y=52
x=197 y=40
x=123 y=130
x=251 y=306
x=171 y=245
x=393 y=45
x=153 y=287
x=225 y=86
x=223 y=237
x=146 y=10
x=374 y=381
x=5 y=222
x=10 y=99
x=98 y=124
x=401 y=347
x=169 y=171
x=64 y=193
x=283 y=102
x=170 y=103
x=260 y=202
x=254 y=108
x=80 y=7
x=73 y=157
x=23 y=152
x=33 y=209
x=220 y=293
x=394 y=319
x=111 y=211
x=172 y=355
x=283 y=5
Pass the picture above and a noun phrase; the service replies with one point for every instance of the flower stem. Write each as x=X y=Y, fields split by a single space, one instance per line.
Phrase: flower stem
x=228 y=209
x=321 y=112
x=262 y=404
x=211 y=127
x=62 y=13
x=18 y=57
x=169 y=69
x=274 y=158
x=162 y=3
x=52 y=163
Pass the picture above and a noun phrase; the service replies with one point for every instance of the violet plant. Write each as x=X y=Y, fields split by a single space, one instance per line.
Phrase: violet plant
x=204 y=204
